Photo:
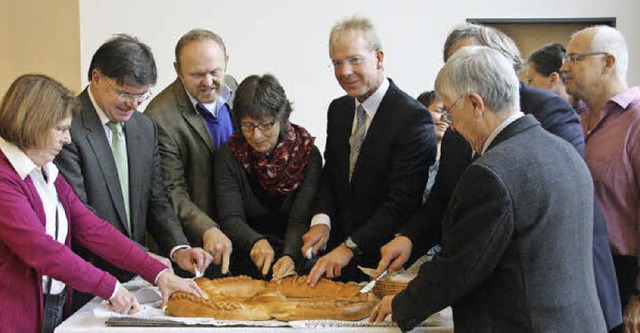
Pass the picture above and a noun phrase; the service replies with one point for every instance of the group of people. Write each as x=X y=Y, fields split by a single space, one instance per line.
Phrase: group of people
x=214 y=172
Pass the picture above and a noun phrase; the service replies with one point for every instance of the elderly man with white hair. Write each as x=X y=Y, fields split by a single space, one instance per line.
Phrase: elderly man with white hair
x=516 y=239
x=596 y=66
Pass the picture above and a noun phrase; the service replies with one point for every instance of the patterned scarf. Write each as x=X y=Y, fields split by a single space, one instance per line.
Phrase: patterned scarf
x=282 y=171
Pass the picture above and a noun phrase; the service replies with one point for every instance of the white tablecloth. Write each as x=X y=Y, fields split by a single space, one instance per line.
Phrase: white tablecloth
x=92 y=317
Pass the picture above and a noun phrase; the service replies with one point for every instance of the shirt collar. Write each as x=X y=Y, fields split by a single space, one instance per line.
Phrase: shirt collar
x=223 y=98
x=499 y=129
x=103 y=116
x=23 y=165
x=372 y=103
x=626 y=97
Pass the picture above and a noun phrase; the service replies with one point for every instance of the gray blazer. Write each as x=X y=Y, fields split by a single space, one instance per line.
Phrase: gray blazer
x=88 y=165
x=517 y=242
x=187 y=158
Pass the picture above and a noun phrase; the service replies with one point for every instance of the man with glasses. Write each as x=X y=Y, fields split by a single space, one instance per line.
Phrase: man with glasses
x=113 y=162
x=596 y=67
x=380 y=142
x=516 y=239
x=423 y=230
x=194 y=120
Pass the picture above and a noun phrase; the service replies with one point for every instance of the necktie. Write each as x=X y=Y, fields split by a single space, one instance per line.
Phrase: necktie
x=357 y=138
x=119 y=150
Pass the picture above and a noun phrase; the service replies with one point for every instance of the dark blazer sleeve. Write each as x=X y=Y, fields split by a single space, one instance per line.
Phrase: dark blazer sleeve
x=326 y=203
x=479 y=227
x=412 y=154
x=424 y=227
x=228 y=188
x=299 y=214
x=162 y=222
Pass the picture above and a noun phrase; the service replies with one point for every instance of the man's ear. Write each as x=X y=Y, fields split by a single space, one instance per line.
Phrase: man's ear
x=609 y=63
x=554 y=79
x=176 y=66
x=477 y=103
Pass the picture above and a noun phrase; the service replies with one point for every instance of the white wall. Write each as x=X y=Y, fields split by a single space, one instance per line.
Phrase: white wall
x=289 y=38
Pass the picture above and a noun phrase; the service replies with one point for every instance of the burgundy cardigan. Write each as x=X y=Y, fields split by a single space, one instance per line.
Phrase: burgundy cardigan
x=27 y=252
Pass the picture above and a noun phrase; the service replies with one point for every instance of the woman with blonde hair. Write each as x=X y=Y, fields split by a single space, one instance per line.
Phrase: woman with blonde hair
x=40 y=217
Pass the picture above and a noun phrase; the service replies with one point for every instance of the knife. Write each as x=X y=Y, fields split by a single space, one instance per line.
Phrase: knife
x=371 y=284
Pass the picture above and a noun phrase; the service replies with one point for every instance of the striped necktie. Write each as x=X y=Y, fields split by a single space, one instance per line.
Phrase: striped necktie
x=119 y=149
x=357 y=138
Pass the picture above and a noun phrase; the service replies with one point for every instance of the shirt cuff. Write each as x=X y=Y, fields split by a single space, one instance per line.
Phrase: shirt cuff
x=155 y=281
x=176 y=248
x=321 y=219
x=115 y=291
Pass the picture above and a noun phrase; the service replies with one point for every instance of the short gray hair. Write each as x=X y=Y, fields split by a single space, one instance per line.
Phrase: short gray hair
x=486 y=36
x=609 y=40
x=482 y=70
x=356 y=23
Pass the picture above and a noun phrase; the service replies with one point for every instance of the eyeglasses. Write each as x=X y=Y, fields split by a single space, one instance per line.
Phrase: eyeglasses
x=126 y=97
x=353 y=61
x=263 y=127
x=446 y=113
x=575 y=57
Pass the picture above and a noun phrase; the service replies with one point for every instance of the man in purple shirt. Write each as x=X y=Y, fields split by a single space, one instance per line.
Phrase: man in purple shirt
x=596 y=66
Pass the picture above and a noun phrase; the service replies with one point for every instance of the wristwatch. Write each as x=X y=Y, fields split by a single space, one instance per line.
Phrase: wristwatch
x=351 y=245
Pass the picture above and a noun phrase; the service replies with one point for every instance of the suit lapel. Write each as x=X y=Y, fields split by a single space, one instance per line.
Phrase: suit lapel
x=375 y=132
x=137 y=169
x=191 y=117
x=95 y=134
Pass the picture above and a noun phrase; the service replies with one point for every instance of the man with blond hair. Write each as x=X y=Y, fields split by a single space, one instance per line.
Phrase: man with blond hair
x=380 y=143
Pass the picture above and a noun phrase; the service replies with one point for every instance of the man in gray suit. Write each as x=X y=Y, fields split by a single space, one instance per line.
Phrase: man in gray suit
x=517 y=236
x=193 y=119
x=113 y=162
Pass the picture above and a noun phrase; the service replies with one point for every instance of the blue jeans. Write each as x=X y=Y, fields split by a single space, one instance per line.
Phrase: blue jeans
x=53 y=311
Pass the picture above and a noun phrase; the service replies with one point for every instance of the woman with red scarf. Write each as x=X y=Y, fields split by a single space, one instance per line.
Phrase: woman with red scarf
x=266 y=178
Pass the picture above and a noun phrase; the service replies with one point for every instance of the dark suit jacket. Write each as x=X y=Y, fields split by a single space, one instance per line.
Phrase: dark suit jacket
x=389 y=175
x=88 y=165
x=517 y=242
x=188 y=155
x=557 y=117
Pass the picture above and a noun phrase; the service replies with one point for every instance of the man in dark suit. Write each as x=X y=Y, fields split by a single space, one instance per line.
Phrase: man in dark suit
x=380 y=142
x=193 y=119
x=113 y=163
x=516 y=239
x=423 y=229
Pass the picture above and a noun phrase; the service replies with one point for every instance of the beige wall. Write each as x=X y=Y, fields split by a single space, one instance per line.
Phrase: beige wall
x=40 y=36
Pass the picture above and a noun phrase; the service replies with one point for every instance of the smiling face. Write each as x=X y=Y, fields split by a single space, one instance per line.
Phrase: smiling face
x=108 y=94
x=357 y=68
x=201 y=67
x=436 y=108
x=51 y=144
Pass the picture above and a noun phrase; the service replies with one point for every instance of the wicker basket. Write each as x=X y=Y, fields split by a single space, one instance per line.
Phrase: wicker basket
x=388 y=287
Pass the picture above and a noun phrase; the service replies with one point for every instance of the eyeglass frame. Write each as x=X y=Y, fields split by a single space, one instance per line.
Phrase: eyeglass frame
x=244 y=126
x=130 y=97
x=575 y=57
x=446 y=113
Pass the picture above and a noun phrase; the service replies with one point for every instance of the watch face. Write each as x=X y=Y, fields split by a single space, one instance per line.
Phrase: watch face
x=350 y=244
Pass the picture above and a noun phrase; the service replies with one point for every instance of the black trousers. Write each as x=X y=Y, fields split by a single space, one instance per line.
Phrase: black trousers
x=53 y=311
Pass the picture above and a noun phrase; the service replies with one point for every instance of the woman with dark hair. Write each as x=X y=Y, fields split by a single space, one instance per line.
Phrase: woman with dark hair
x=40 y=215
x=543 y=71
x=266 y=178
x=434 y=105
